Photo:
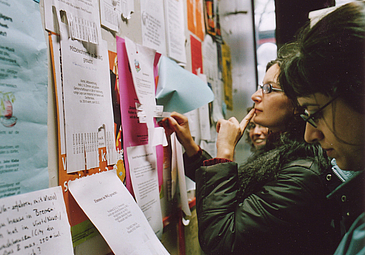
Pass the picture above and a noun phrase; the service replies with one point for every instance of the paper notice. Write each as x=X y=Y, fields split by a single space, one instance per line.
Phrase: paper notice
x=35 y=223
x=112 y=209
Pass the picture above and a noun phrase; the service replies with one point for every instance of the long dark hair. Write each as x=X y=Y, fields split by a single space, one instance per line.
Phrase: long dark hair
x=329 y=58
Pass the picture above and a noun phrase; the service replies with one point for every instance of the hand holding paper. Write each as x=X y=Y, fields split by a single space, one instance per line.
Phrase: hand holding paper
x=178 y=123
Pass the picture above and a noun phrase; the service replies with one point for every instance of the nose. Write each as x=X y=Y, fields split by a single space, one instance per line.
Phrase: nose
x=312 y=134
x=257 y=96
x=257 y=130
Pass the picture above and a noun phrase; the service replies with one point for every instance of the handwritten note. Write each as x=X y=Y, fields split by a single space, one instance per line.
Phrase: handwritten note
x=35 y=223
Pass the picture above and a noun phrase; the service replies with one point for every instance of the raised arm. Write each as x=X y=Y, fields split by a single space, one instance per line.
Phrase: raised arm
x=229 y=133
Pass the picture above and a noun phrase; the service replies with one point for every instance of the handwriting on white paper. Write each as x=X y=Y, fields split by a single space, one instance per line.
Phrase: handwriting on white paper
x=34 y=223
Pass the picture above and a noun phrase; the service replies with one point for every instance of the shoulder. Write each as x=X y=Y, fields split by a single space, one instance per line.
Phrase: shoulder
x=303 y=175
x=301 y=156
x=289 y=150
x=307 y=166
x=350 y=196
x=354 y=240
x=295 y=195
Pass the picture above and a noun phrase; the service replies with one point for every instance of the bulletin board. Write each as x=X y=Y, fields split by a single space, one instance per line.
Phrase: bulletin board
x=98 y=124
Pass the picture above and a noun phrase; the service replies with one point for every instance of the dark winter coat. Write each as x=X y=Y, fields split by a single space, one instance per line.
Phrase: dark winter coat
x=349 y=196
x=274 y=204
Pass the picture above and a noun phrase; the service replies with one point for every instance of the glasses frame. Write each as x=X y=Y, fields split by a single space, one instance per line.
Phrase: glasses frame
x=268 y=88
x=310 y=119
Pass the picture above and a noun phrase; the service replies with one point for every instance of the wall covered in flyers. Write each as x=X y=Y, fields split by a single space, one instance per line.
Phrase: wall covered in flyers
x=89 y=118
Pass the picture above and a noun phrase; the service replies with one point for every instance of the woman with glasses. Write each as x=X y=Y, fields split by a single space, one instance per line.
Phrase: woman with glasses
x=273 y=204
x=327 y=78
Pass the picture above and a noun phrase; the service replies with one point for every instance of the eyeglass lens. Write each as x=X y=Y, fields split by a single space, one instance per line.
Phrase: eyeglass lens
x=310 y=119
x=268 y=88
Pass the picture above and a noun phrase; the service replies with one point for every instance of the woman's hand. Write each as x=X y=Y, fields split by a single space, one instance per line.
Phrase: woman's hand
x=229 y=133
x=179 y=124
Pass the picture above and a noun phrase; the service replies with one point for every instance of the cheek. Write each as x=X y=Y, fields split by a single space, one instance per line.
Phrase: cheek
x=282 y=111
x=285 y=104
x=348 y=127
x=251 y=133
x=276 y=111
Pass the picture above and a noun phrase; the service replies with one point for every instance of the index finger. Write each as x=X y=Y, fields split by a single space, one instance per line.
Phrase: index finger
x=247 y=119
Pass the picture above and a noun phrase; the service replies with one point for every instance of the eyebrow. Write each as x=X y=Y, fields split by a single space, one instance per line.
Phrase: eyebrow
x=272 y=83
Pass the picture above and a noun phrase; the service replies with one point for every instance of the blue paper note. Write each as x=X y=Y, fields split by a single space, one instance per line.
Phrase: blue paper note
x=180 y=90
x=23 y=99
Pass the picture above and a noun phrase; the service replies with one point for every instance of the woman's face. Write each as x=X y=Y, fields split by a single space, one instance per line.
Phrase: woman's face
x=258 y=135
x=340 y=130
x=272 y=110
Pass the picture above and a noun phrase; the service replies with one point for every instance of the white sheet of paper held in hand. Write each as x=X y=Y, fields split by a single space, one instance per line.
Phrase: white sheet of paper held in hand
x=35 y=223
x=141 y=62
x=113 y=211
x=143 y=170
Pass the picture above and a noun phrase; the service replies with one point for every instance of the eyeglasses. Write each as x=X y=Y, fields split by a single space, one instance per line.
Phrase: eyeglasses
x=313 y=118
x=268 y=88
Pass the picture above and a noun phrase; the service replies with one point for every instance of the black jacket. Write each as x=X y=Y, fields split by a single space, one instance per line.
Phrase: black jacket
x=275 y=204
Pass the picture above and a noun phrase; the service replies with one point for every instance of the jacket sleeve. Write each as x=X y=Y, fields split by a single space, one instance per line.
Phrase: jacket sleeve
x=193 y=163
x=225 y=225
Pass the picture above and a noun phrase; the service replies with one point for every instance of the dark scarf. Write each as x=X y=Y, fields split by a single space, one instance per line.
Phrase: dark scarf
x=265 y=164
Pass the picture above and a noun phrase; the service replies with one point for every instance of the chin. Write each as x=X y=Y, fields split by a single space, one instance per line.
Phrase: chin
x=257 y=121
x=349 y=166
